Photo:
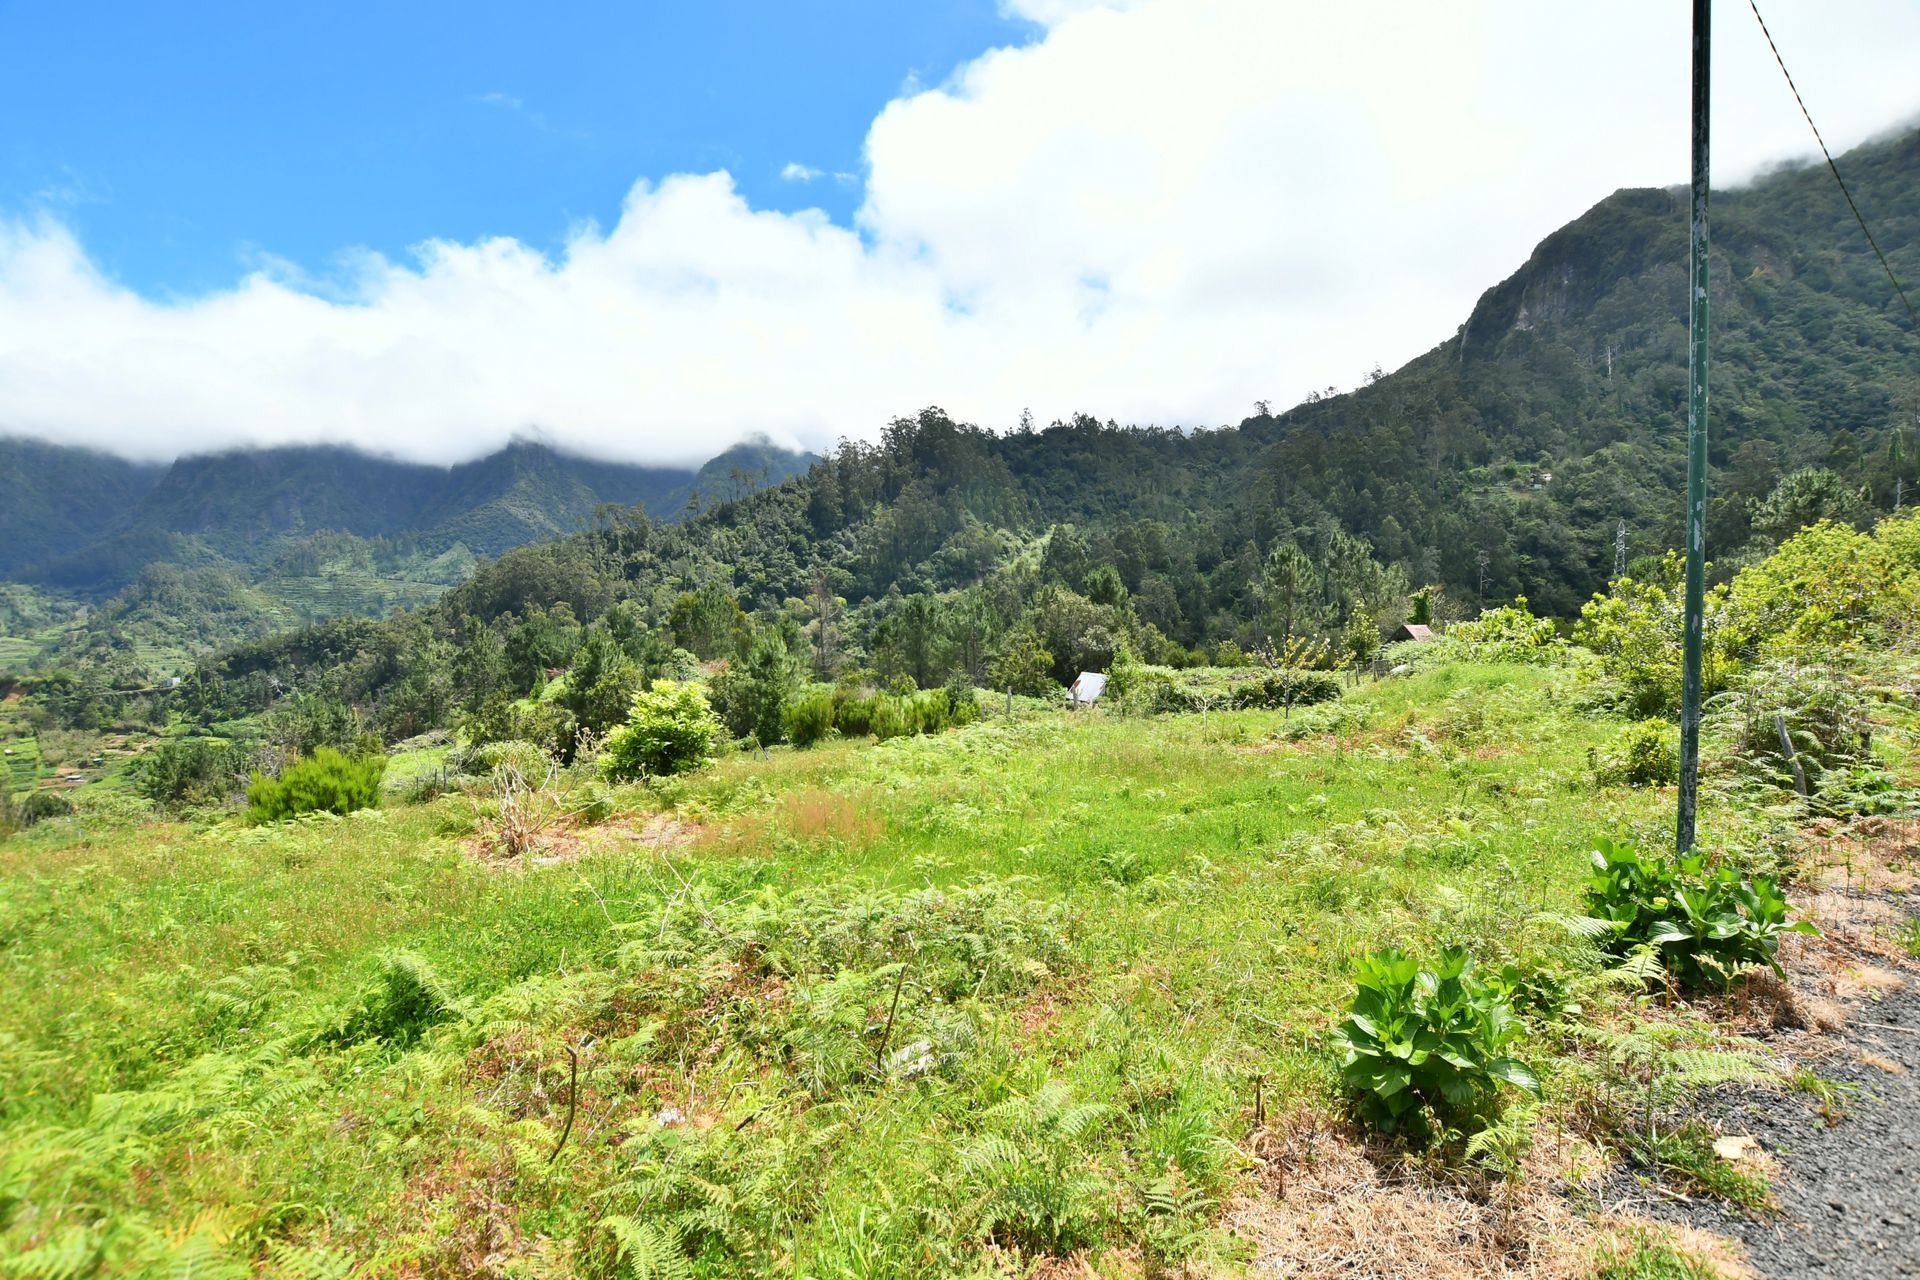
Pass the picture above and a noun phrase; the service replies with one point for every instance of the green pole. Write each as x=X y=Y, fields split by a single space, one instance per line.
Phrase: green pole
x=1696 y=436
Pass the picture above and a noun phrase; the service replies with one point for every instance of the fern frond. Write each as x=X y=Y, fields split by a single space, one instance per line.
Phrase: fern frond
x=648 y=1250
x=1704 y=1068
x=1589 y=928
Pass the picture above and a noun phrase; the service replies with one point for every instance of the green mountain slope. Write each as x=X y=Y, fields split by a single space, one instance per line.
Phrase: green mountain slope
x=89 y=523
x=1557 y=411
x=1505 y=459
x=55 y=500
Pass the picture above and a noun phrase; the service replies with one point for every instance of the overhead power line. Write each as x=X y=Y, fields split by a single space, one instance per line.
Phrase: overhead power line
x=1832 y=167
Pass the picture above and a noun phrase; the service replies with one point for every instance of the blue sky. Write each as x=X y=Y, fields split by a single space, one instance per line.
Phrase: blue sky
x=423 y=228
x=182 y=140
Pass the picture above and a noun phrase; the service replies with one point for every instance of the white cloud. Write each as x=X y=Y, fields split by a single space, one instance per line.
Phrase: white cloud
x=1051 y=13
x=1157 y=212
x=797 y=172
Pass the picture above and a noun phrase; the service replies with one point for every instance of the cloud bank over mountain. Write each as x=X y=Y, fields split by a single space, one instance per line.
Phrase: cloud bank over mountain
x=1158 y=211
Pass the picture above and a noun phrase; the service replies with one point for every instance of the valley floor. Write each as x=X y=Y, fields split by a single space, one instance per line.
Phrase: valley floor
x=1046 y=995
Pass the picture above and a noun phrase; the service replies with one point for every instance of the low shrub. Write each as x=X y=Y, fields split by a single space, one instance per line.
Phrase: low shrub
x=1162 y=691
x=1644 y=754
x=1828 y=587
x=889 y=718
x=527 y=758
x=1509 y=633
x=963 y=702
x=809 y=716
x=853 y=714
x=1423 y=1044
x=42 y=805
x=1635 y=632
x=929 y=711
x=893 y=715
x=1706 y=923
x=1288 y=689
x=324 y=782
x=671 y=729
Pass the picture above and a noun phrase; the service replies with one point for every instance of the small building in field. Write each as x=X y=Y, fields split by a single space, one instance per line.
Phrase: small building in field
x=1087 y=688
x=1412 y=631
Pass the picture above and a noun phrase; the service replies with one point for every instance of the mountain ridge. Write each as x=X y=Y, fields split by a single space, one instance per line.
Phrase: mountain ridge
x=246 y=505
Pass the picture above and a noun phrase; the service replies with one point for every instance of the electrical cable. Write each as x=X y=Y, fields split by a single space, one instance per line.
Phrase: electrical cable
x=1832 y=167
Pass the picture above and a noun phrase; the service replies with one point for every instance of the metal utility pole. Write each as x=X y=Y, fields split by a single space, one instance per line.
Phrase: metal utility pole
x=1696 y=436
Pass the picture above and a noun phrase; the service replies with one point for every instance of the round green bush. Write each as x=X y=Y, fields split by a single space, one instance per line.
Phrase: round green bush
x=42 y=805
x=671 y=729
x=325 y=782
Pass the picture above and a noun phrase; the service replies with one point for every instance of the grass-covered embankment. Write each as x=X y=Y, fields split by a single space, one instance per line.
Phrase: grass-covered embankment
x=350 y=1036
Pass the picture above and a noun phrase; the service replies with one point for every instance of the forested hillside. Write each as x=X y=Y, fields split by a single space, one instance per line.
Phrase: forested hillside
x=135 y=570
x=89 y=523
x=56 y=500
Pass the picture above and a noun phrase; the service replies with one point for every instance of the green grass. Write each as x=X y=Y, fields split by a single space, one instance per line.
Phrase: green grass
x=22 y=768
x=347 y=1038
x=1687 y=1154
x=1644 y=1256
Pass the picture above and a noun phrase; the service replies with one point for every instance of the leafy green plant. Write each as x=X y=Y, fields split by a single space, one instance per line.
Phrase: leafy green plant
x=1705 y=922
x=1828 y=587
x=1422 y=1043
x=1508 y=633
x=1641 y=755
x=1635 y=629
x=324 y=782
x=671 y=729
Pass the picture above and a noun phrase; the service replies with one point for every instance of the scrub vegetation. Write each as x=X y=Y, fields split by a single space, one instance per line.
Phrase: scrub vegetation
x=1042 y=989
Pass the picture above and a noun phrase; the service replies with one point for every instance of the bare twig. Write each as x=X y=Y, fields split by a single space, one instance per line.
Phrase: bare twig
x=573 y=1100
x=879 y=1055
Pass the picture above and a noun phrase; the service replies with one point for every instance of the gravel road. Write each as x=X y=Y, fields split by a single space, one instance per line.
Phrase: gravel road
x=1849 y=1193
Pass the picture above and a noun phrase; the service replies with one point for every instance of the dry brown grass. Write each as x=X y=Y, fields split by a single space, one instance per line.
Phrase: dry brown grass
x=563 y=839
x=1863 y=856
x=1331 y=1204
x=814 y=814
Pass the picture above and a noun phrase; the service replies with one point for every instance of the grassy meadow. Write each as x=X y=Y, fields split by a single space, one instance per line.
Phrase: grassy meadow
x=935 y=1006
